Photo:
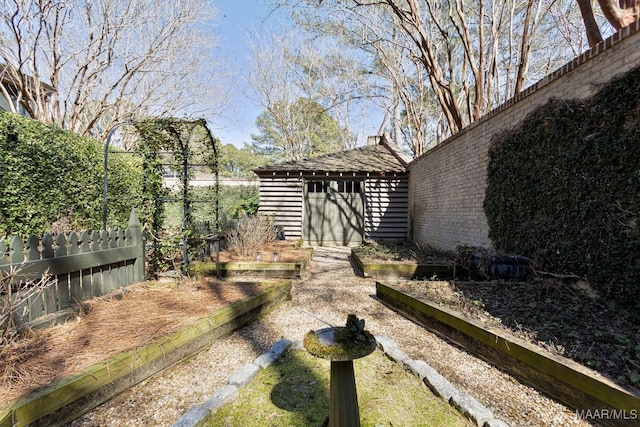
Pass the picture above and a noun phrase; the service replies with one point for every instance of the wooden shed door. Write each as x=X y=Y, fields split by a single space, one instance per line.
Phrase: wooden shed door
x=334 y=213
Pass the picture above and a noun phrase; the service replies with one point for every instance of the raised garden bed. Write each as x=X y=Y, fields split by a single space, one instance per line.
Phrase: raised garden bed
x=567 y=381
x=66 y=398
x=278 y=260
x=400 y=270
x=402 y=260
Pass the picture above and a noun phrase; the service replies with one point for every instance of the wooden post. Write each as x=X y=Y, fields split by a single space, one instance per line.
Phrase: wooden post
x=96 y=272
x=75 y=282
x=136 y=240
x=50 y=294
x=85 y=248
x=36 y=304
x=64 y=290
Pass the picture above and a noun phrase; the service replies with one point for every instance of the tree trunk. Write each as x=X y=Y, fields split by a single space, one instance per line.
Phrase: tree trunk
x=620 y=16
x=591 y=26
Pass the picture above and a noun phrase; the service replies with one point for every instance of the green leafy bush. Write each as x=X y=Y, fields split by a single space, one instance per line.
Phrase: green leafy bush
x=234 y=202
x=239 y=201
x=563 y=189
x=47 y=174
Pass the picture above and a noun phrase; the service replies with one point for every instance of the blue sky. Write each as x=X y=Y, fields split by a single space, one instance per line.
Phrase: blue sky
x=236 y=19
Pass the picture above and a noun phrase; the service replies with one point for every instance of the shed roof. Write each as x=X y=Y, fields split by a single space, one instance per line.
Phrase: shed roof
x=381 y=157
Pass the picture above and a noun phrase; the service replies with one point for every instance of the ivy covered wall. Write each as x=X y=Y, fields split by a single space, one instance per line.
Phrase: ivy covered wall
x=563 y=188
x=447 y=184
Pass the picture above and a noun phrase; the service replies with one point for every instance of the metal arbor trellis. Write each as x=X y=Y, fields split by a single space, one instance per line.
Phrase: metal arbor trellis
x=182 y=146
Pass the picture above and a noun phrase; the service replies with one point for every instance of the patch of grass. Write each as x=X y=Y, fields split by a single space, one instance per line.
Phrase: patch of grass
x=294 y=391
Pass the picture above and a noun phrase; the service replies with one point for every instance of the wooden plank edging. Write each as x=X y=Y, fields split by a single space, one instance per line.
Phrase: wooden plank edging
x=559 y=377
x=70 y=397
x=406 y=271
x=260 y=268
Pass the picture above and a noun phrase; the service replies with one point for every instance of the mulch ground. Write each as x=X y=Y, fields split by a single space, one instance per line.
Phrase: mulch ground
x=555 y=315
x=108 y=326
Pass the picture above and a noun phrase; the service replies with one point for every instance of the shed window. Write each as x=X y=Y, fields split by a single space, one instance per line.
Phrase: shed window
x=349 y=186
x=317 y=186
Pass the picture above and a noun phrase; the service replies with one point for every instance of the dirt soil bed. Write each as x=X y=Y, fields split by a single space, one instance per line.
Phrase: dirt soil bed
x=401 y=252
x=108 y=326
x=554 y=315
x=283 y=250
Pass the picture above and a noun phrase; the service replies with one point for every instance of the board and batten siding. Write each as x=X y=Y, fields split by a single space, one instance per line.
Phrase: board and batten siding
x=282 y=198
x=386 y=208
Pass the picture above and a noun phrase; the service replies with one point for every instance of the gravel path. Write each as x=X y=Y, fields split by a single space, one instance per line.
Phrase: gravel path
x=331 y=290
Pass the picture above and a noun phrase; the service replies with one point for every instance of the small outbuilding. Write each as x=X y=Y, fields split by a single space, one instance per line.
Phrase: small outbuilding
x=339 y=198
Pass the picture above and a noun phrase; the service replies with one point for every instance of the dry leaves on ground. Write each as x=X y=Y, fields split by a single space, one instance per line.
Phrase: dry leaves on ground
x=555 y=316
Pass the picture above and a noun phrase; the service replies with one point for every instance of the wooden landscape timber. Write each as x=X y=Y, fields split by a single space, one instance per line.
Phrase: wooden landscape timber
x=255 y=268
x=63 y=401
x=401 y=270
x=558 y=377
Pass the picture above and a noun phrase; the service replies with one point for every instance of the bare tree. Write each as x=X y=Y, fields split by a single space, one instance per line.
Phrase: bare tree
x=87 y=65
x=567 y=21
x=369 y=63
x=334 y=78
x=618 y=15
x=454 y=44
x=622 y=14
x=461 y=56
x=274 y=88
x=412 y=111
x=290 y=83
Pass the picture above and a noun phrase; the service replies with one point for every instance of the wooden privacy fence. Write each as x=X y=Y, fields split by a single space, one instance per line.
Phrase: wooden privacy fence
x=80 y=266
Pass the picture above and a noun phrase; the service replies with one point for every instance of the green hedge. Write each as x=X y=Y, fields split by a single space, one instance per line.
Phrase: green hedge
x=564 y=189
x=234 y=202
x=47 y=173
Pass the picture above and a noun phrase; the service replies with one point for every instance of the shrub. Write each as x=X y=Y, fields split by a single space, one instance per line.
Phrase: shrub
x=234 y=202
x=16 y=298
x=47 y=174
x=238 y=201
x=251 y=234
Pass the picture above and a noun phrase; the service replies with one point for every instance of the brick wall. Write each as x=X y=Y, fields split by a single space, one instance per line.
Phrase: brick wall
x=447 y=184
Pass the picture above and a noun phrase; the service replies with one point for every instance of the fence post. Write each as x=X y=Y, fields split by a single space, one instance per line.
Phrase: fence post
x=16 y=256
x=50 y=293
x=64 y=286
x=36 y=303
x=85 y=275
x=136 y=240
x=96 y=272
x=75 y=281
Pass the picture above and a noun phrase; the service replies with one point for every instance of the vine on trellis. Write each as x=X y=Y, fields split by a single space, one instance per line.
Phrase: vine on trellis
x=186 y=143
